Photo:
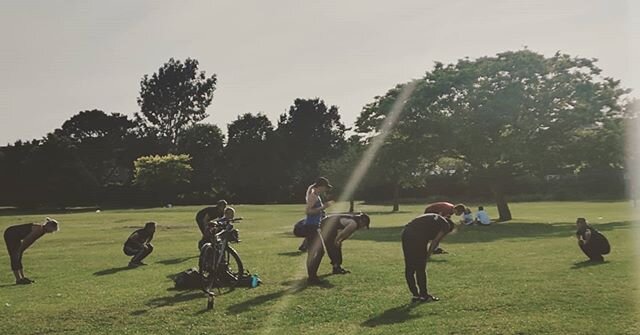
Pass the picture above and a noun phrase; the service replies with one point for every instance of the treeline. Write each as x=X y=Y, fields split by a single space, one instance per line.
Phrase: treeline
x=508 y=126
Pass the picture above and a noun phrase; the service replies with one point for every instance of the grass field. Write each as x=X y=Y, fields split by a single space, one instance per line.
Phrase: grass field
x=526 y=276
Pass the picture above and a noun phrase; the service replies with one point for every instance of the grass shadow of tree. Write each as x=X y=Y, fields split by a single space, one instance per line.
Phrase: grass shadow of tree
x=391 y=316
x=474 y=234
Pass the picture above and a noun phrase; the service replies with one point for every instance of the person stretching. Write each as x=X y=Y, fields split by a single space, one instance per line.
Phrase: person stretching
x=335 y=229
x=415 y=239
x=139 y=244
x=20 y=237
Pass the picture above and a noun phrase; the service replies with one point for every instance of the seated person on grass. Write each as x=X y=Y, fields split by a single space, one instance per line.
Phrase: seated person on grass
x=467 y=217
x=591 y=241
x=482 y=218
x=139 y=245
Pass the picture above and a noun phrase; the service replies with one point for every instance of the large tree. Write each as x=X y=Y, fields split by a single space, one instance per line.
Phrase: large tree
x=102 y=141
x=309 y=133
x=204 y=144
x=163 y=177
x=254 y=169
x=407 y=149
x=515 y=113
x=173 y=99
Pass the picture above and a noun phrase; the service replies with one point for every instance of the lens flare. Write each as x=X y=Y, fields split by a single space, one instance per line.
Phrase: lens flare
x=352 y=184
x=369 y=155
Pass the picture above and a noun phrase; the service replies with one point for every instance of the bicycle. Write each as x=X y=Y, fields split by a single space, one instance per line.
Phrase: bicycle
x=219 y=263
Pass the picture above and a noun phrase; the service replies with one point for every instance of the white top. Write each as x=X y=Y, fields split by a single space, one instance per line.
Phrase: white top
x=482 y=217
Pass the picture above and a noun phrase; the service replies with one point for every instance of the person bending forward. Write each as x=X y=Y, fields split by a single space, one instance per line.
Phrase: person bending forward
x=20 y=237
x=416 y=248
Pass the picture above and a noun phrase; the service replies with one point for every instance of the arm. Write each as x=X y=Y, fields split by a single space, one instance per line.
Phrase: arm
x=434 y=244
x=311 y=200
x=28 y=241
x=346 y=232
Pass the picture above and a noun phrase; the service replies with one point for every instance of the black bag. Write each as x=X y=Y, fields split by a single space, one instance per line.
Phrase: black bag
x=188 y=279
x=300 y=229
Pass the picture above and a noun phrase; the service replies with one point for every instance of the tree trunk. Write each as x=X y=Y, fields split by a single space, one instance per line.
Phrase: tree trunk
x=351 y=206
x=396 y=197
x=501 y=202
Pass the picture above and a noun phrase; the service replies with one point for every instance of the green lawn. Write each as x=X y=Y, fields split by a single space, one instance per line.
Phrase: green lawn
x=527 y=276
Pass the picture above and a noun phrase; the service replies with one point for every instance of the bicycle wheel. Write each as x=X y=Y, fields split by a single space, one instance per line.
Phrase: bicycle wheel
x=206 y=265
x=233 y=265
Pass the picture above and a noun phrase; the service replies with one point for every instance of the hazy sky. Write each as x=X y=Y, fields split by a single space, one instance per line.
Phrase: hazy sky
x=61 y=57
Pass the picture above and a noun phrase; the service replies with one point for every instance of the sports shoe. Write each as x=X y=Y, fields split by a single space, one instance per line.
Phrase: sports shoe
x=439 y=251
x=133 y=265
x=429 y=298
x=314 y=280
x=23 y=281
x=340 y=271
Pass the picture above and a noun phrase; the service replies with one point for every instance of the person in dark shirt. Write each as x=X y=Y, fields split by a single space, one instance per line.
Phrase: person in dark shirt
x=139 y=244
x=416 y=248
x=20 y=237
x=445 y=209
x=334 y=230
x=591 y=241
x=205 y=215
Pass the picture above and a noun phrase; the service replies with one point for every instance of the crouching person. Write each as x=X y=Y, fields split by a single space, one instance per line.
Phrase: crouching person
x=139 y=244
x=591 y=241
x=20 y=237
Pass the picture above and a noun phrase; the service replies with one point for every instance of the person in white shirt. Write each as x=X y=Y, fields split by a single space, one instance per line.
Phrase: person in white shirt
x=482 y=218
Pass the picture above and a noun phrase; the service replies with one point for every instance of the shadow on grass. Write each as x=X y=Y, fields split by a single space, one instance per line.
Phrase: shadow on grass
x=586 y=263
x=472 y=234
x=178 y=260
x=292 y=253
x=393 y=315
x=112 y=271
x=296 y=286
x=171 y=300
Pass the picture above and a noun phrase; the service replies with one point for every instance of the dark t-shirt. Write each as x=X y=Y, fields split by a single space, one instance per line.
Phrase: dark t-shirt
x=18 y=232
x=442 y=208
x=427 y=227
x=143 y=237
x=213 y=212
x=595 y=234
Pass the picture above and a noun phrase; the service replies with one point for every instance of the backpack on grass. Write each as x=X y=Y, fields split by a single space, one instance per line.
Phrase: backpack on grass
x=188 y=279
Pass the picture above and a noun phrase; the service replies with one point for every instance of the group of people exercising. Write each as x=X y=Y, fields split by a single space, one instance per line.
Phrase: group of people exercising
x=420 y=237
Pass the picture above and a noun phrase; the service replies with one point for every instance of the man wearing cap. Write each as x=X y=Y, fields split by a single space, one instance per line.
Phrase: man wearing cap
x=20 y=237
x=207 y=214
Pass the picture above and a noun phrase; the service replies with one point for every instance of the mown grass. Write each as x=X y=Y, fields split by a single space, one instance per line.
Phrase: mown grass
x=526 y=276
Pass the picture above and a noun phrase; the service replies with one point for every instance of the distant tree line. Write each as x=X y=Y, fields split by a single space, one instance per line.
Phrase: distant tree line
x=510 y=126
